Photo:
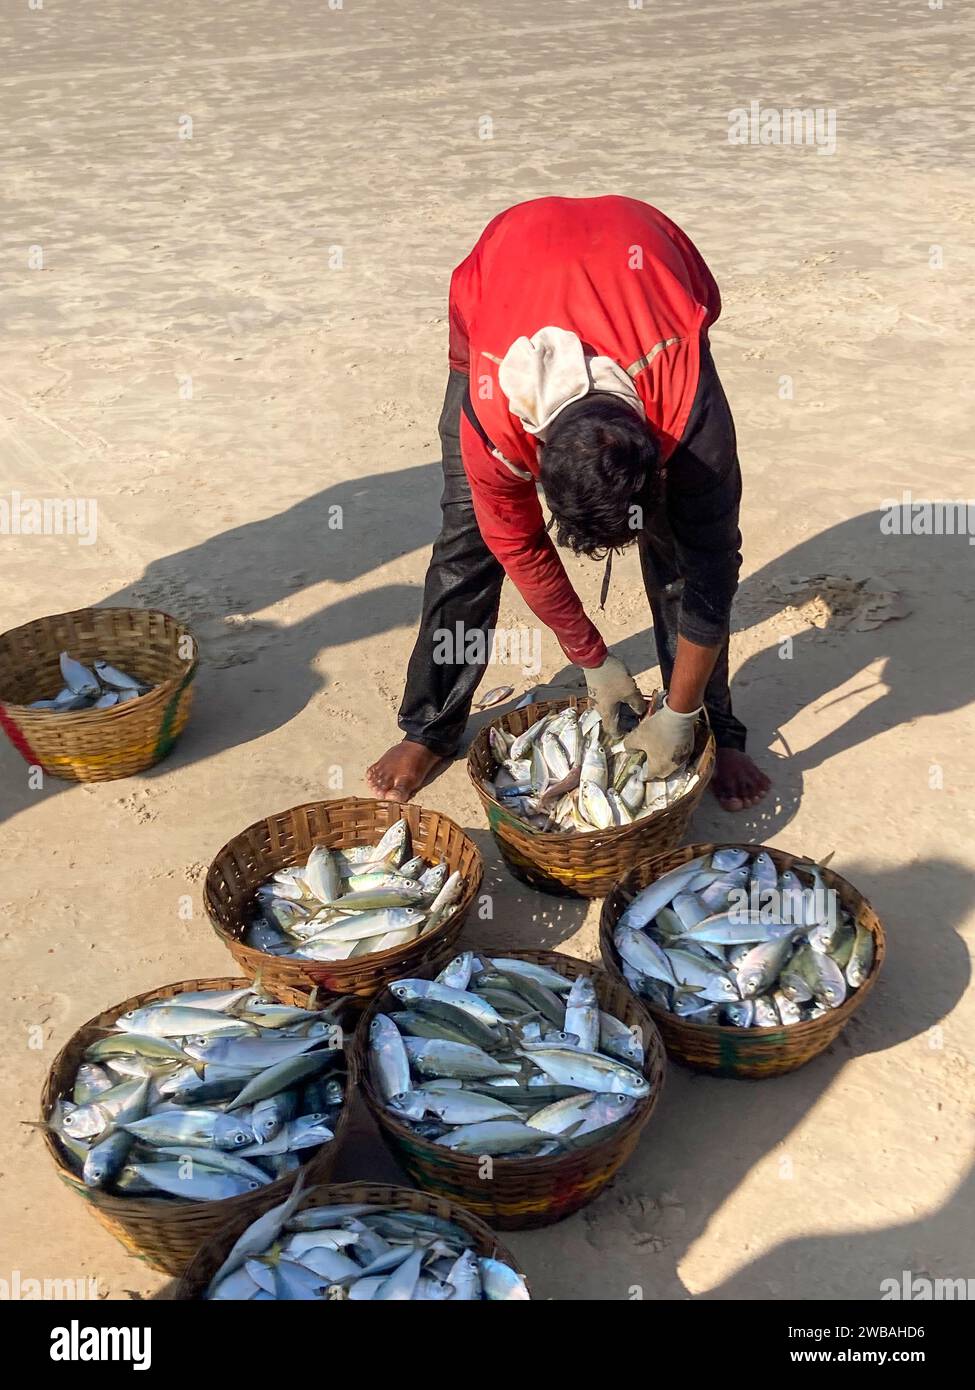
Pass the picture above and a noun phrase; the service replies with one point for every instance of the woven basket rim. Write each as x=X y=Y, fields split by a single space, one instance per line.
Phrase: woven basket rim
x=799 y=1031
x=164 y=687
x=343 y=841
x=613 y=833
x=190 y=1284
x=636 y=1119
x=55 y=1086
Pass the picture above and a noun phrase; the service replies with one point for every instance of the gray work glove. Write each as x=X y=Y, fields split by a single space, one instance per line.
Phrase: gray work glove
x=610 y=685
x=667 y=738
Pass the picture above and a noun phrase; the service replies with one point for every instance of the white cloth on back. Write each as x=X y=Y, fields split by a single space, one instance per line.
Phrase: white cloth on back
x=543 y=374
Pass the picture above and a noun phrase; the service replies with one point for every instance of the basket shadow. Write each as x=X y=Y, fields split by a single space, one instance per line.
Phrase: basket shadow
x=709 y=1134
x=521 y=916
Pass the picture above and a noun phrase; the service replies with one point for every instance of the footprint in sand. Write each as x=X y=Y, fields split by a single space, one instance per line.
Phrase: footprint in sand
x=139 y=805
x=648 y=1223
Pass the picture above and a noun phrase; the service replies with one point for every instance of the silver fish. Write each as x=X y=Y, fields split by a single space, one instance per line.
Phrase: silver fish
x=284 y=1074
x=391 y=1060
x=594 y=804
x=643 y=954
x=562 y=1115
x=194 y=1181
x=531 y=970
x=493 y=1137
x=495 y=696
x=321 y=873
x=727 y=859
x=582 y=1013
x=78 y=678
x=605 y=1110
x=705 y=978
x=760 y=969
x=861 y=959
x=500 y=1282
x=523 y=743
x=457 y=973
x=413 y=993
x=116 y=679
x=590 y=1071
x=617 y=1040
x=432 y=1057
x=175 y=1020
x=647 y=903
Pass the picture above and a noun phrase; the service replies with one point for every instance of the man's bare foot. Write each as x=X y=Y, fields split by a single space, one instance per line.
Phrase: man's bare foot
x=737 y=781
x=400 y=773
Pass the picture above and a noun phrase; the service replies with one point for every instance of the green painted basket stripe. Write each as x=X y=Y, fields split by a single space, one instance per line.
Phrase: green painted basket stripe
x=165 y=740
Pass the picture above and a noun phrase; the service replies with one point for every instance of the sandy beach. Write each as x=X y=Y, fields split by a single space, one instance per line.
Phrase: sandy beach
x=227 y=235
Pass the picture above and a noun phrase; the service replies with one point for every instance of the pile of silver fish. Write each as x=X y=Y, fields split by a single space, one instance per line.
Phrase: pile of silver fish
x=99 y=687
x=203 y=1095
x=345 y=903
x=726 y=939
x=360 y=1251
x=504 y=1056
x=565 y=774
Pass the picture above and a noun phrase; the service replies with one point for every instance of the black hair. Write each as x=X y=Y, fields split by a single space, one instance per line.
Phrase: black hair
x=598 y=462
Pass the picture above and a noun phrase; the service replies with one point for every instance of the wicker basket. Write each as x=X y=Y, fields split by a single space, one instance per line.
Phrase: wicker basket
x=288 y=838
x=586 y=864
x=97 y=745
x=743 y=1052
x=523 y=1192
x=164 y=1232
x=199 y=1272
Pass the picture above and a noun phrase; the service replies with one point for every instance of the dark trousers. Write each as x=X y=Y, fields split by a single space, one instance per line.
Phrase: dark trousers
x=463 y=585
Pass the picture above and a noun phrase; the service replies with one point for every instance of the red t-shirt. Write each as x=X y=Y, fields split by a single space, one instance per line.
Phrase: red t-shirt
x=632 y=286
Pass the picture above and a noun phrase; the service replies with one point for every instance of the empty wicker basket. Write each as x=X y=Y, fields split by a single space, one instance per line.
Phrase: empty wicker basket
x=97 y=745
x=483 y=1241
x=584 y=865
x=523 y=1192
x=165 y=1232
x=251 y=857
x=743 y=1052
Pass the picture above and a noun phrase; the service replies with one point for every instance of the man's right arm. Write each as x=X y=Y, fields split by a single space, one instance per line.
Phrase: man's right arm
x=510 y=519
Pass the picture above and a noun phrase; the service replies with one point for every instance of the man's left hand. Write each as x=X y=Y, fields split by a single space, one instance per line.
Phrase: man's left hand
x=667 y=739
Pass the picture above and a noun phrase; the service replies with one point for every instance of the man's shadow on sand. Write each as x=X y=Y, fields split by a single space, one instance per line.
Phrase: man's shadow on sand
x=256 y=675
x=920 y=667
x=709 y=1134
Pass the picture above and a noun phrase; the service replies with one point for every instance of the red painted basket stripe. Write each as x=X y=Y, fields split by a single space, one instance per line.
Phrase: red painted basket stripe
x=12 y=731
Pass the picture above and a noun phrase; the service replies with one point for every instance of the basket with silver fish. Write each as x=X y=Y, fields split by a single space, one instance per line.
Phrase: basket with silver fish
x=531 y=1062
x=571 y=811
x=98 y=693
x=194 y=1104
x=365 y=1242
x=751 y=960
x=342 y=895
